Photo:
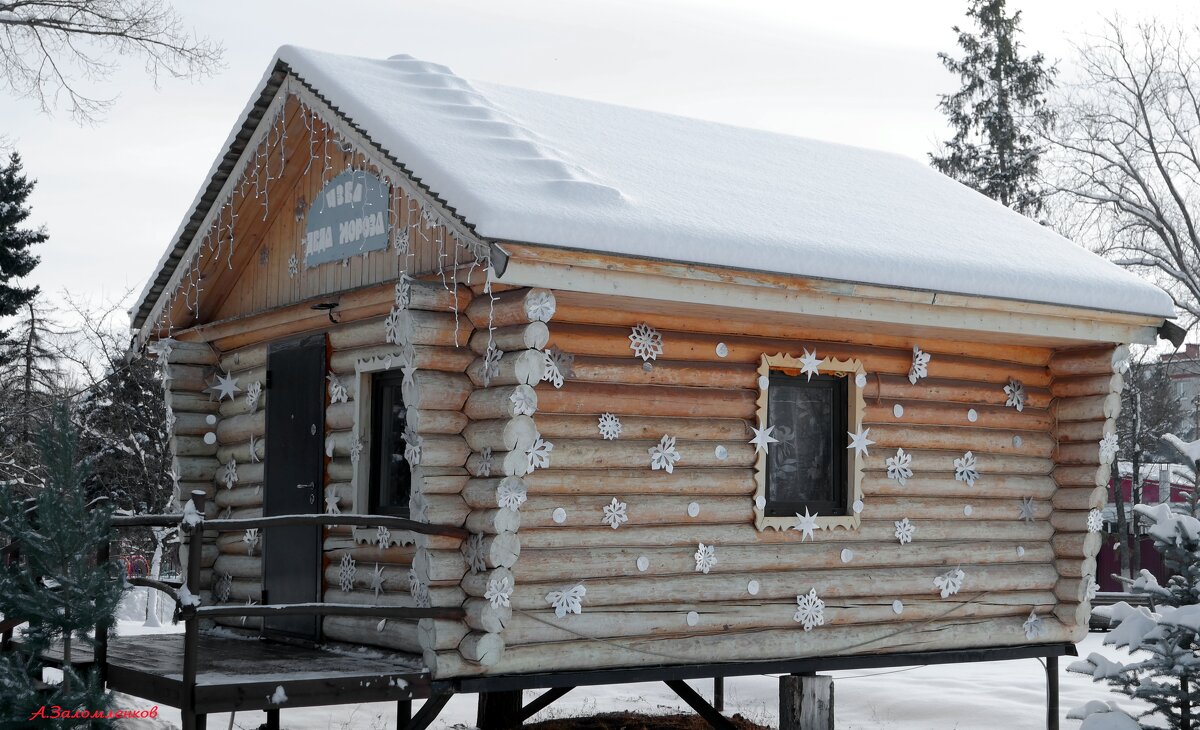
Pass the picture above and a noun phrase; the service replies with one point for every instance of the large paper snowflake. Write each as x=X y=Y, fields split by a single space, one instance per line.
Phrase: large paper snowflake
x=524 y=402
x=1034 y=627
x=253 y=395
x=1015 y=394
x=403 y=296
x=615 y=513
x=499 y=592
x=491 y=363
x=763 y=438
x=1108 y=448
x=904 y=530
x=484 y=468
x=539 y=454
x=1092 y=589
x=567 y=600
x=810 y=610
x=225 y=387
x=539 y=306
x=346 y=573
x=393 y=332
x=511 y=493
x=1027 y=509
x=706 y=558
x=610 y=427
x=663 y=454
x=231 y=476
x=964 y=469
x=418 y=589
x=377 y=580
x=475 y=553
x=805 y=523
x=383 y=537
x=645 y=342
x=356 y=450
x=949 y=582
x=860 y=441
x=1095 y=521
x=162 y=348
x=557 y=366
x=251 y=539
x=920 y=365
x=293 y=266
x=412 y=447
x=899 y=467
x=337 y=391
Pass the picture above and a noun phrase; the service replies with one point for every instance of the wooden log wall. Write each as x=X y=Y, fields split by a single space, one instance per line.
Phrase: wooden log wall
x=644 y=601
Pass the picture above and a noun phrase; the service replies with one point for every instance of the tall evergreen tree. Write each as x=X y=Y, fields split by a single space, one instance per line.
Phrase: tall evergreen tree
x=998 y=110
x=16 y=260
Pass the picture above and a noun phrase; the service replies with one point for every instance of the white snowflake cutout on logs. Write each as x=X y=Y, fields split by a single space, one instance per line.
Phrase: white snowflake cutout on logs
x=1092 y=588
x=1108 y=448
x=402 y=241
x=964 y=469
x=920 y=365
x=615 y=513
x=293 y=266
x=475 y=554
x=253 y=394
x=484 y=469
x=418 y=506
x=610 y=427
x=706 y=558
x=511 y=493
x=805 y=523
x=904 y=530
x=899 y=467
x=383 y=537
x=356 y=450
x=161 y=348
x=663 y=455
x=810 y=610
x=645 y=342
x=377 y=580
x=392 y=333
x=418 y=590
x=331 y=505
x=539 y=454
x=491 y=363
x=1015 y=392
x=408 y=367
x=221 y=589
x=567 y=600
x=523 y=402
x=251 y=539
x=412 y=447
x=254 y=450
x=810 y=364
x=231 y=475
x=949 y=582
x=1095 y=521
x=763 y=438
x=1034 y=627
x=557 y=366
x=337 y=391
x=539 y=307
x=225 y=387
x=403 y=295
x=1027 y=509
x=499 y=592
x=860 y=441
x=346 y=573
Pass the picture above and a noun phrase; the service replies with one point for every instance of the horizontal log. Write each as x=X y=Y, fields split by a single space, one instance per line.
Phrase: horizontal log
x=646 y=510
x=440 y=567
x=512 y=307
x=441 y=635
x=516 y=433
x=248 y=496
x=1081 y=454
x=193 y=424
x=1082 y=476
x=957 y=414
x=527 y=336
x=444 y=450
x=250 y=356
x=247 y=473
x=960 y=438
x=396 y=634
x=237 y=429
x=1097 y=360
x=484 y=649
x=341 y=416
x=711 y=482
x=415 y=326
x=431 y=483
x=1080 y=498
x=241 y=452
x=1070 y=521
x=1084 y=431
x=647 y=400
x=1081 y=385
x=621 y=454
x=339 y=470
x=632 y=371
x=429 y=421
x=181 y=402
x=876 y=484
x=493 y=521
x=481 y=615
x=194 y=468
x=366 y=556
x=441 y=359
x=522 y=367
x=943 y=390
x=1076 y=545
x=437 y=391
x=189 y=378
x=492 y=403
x=192 y=446
x=567 y=426
x=240 y=566
x=192 y=353
x=1074 y=567
x=934 y=461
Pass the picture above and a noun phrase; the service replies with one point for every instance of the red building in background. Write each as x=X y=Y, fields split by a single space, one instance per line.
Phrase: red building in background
x=1154 y=477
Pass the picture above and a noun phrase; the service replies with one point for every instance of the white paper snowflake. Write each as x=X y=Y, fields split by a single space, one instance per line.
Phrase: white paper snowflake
x=511 y=493
x=412 y=447
x=337 y=391
x=557 y=366
x=254 y=450
x=392 y=332
x=567 y=600
x=920 y=365
x=539 y=454
x=499 y=592
x=610 y=427
x=383 y=537
x=1108 y=449
x=1027 y=509
x=484 y=468
x=810 y=610
x=949 y=582
x=402 y=241
x=231 y=476
x=615 y=513
x=403 y=296
x=1034 y=627
x=253 y=395
x=805 y=523
x=225 y=387
x=346 y=573
x=251 y=539
x=377 y=580
x=1095 y=521
x=1092 y=589
x=706 y=558
x=524 y=402
x=663 y=455
x=491 y=363
x=418 y=589
x=161 y=348
x=1015 y=394
x=293 y=266
x=475 y=553
x=645 y=342
x=539 y=306
x=904 y=530
x=964 y=469
x=899 y=467
x=356 y=450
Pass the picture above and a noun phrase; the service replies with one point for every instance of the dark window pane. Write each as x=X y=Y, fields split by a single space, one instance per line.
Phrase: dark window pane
x=807 y=468
x=390 y=476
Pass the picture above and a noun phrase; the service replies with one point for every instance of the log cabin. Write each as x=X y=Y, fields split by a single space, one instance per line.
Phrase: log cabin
x=704 y=400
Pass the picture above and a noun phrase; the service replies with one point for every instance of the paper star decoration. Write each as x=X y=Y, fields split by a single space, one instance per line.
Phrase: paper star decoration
x=810 y=364
x=763 y=438
x=1027 y=509
x=805 y=523
x=331 y=505
x=225 y=387
x=377 y=580
x=860 y=441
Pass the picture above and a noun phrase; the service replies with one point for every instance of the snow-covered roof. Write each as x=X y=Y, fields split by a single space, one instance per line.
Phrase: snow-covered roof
x=526 y=166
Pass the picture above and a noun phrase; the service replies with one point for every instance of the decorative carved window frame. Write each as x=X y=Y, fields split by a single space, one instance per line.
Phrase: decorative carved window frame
x=849 y=369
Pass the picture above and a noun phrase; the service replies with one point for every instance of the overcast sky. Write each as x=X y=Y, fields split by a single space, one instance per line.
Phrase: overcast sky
x=863 y=73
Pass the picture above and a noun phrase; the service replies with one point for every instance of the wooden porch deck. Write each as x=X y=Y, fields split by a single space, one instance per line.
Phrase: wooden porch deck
x=242 y=673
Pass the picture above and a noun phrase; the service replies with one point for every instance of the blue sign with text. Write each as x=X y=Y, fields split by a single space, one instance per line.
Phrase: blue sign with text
x=349 y=217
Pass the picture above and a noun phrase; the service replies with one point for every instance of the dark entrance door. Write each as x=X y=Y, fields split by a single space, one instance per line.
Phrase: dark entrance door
x=294 y=480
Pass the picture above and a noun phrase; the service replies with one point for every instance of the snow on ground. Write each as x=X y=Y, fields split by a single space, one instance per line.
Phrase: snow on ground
x=960 y=696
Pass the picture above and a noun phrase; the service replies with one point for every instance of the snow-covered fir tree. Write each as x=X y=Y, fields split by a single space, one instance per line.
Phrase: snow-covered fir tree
x=16 y=238
x=997 y=111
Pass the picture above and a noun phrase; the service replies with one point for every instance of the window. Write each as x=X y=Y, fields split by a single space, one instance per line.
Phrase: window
x=809 y=468
x=390 y=478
